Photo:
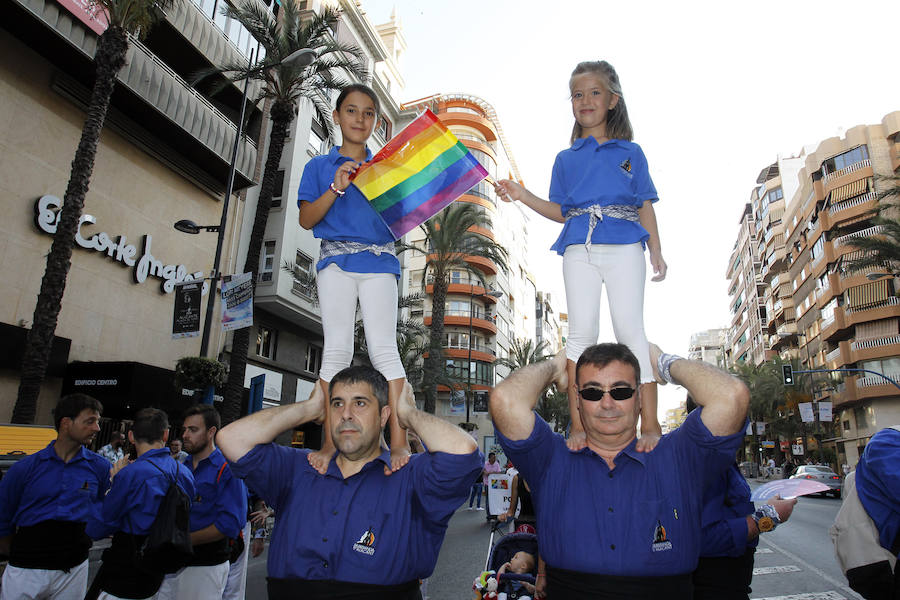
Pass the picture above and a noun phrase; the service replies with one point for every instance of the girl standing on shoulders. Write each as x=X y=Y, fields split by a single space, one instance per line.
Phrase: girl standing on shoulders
x=356 y=263
x=602 y=192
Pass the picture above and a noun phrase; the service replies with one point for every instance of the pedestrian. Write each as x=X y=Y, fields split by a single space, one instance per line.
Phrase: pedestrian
x=770 y=467
x=845 y=469
x=130 y=508
x=866 y=531
x=354 y=532
x=218 y=511
x=114 y=451
x=602 y=191
x=357 y=262
x=176 y=452
x=614 y=522
x=46 y=500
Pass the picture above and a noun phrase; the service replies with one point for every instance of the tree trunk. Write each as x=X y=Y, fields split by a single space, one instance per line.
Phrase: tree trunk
x=433 y=363
x=282 y=114
x=109 y=60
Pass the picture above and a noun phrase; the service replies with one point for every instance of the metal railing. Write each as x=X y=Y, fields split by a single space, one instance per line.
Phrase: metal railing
x=848 y=169
x=845 y=239
x=475 y=347
x=890 y=301
x=833 y=355
x=875 y=342
x=846 y=204
x=826 y=323
x=871 y=380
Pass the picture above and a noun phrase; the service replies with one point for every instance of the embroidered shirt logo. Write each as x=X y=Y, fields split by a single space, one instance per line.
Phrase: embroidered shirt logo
x=366 y=543
x=625 y=165
x=660 y=540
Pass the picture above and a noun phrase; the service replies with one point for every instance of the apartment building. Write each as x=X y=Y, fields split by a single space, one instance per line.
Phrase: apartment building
x=744 y=341
x=547 y=323
x=164 y=156
x=814 y=309
x=708 y=346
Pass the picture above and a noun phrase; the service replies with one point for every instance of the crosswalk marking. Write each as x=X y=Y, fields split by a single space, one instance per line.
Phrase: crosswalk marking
x=771 y=570
x=764 y=551
x=813 y=596
x=822 y=575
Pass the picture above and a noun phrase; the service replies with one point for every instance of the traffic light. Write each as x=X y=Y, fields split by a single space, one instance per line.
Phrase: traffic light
x=787 y=373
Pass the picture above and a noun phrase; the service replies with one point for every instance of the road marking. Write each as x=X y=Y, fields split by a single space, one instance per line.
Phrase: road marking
x=764 y=551
x=772 y=570
x=813 y=596
x=850 y=593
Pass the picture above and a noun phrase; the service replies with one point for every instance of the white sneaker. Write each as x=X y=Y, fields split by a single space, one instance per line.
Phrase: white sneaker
x=479 y=508
x=470 y=508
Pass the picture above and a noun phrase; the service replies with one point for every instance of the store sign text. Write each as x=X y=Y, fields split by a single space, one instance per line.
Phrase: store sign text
x=46 y=217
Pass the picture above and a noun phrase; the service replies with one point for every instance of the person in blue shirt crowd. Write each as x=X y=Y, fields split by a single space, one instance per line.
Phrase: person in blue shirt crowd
x=615 y=522
x=46 y=500
x=357 y=261
x=602 y=192
x=131 y=506
x=354 y=532
x=218 y=511
x=177 y=453
x=731 y=526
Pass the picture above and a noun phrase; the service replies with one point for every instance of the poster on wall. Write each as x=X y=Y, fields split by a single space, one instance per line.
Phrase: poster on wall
x=186 y=320
x=457 y=405
x=237 y=301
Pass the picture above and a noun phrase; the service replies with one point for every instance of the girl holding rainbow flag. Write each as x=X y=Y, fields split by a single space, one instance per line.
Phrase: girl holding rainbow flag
x=602 y=192
x=356 y=263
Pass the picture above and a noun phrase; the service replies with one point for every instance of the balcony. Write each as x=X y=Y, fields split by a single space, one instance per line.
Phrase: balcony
x=873 y=386
x=787 y=329
x=482 y=322
x=848 y=239
x=840 y=356
x=875 y=348
x=840 y=207
x=830 y=177
x=480 y=352
x=833 y=326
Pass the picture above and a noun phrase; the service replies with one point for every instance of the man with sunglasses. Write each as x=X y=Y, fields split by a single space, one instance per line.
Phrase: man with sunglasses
x=615 y=522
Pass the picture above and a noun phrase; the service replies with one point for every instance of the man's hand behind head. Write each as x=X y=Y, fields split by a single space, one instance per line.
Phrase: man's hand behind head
x=560 y=376
x=406 y=405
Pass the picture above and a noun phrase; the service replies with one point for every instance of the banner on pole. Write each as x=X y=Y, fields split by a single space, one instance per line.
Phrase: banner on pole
x=760 y=427
x=806 y=412
x=237 y=301
x=186 y=320
x=750 y=428
x=825 y=412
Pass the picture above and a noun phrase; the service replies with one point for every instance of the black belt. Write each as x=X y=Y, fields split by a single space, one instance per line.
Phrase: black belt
x=213 y=553
x=306 y=589
x=119 y=575
x=53 y=545
x=591 y=586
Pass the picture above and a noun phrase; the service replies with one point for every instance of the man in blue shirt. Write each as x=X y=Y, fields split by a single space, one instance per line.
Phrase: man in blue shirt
x=353 y=532
x=131 y=506
x=218 y=511
x=614 y=522
x=45 y=501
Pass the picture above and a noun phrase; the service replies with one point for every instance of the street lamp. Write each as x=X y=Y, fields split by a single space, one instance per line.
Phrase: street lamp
x=472 y=296
x=188 y=226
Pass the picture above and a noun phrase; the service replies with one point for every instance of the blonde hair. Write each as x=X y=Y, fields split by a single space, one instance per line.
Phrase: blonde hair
x=618 y=126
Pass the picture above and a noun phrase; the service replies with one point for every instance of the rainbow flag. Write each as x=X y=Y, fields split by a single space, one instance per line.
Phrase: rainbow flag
x=417 y=174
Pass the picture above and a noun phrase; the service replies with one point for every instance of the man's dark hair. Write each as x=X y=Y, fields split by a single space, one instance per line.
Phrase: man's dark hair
x=363 y=374
x=150 y=424
x=600 y=355
x=210 y=415
x=72 y=405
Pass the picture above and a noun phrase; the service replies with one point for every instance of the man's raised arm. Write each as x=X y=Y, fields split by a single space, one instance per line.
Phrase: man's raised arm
x=240 y=437
x=436 y=434
x=724 y=398
x=513 y=400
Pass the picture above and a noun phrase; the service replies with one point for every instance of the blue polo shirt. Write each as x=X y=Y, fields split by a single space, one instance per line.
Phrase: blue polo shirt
x=350 y=219
x=368 y=528
x=41 y=487
x=132 y=503
x=222 y=503
x=588 y=173
x=726 y=504
x=640 y=519
x=878 y=486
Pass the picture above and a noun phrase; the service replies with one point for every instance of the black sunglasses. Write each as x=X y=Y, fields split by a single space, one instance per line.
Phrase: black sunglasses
x=596 y=394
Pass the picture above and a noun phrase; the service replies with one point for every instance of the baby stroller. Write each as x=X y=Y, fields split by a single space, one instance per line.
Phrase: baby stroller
x=501 y=553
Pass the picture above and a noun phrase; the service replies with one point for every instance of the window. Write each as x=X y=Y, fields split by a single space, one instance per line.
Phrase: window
x=384 y=128
x=318 y=138
x=278 y=190
x=266 y=342
x=818 y=249
x=304 y=283
x=464 y=109
x=860 y=414
x=313 y=358
x=268 y=261
x=842 y=161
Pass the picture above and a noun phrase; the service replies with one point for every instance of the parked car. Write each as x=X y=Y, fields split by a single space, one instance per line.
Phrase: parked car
x=821 y=474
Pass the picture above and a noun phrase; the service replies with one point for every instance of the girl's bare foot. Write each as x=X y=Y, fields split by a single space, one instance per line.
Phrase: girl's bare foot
x=577 y=440
x=320 y=459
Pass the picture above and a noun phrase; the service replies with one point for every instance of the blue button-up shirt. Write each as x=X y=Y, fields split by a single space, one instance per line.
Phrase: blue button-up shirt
x=132 y=503
x=367 y=528
x=878 y=484
x=351 y=218
x=41 y=487
x=612 y=173
x=222 y=503
x=726 y=504
x=641 y=518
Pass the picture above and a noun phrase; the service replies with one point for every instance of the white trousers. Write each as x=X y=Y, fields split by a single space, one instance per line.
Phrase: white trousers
x=623 y=269
x=195 y=583
x=376 y=293
x=44 y=584
x=237 y=571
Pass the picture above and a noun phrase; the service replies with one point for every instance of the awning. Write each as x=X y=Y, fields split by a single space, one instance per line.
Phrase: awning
x=125 y=387
x=869 y=294
x=855 y=188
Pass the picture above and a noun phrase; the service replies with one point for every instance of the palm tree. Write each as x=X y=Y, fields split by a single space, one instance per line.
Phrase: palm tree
x=524 y=352
x=881 y=250
x=125 y=18
x=448 y=242
x=283 y=84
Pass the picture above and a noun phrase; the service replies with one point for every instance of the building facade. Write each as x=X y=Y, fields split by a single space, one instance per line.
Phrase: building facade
x=708 y=346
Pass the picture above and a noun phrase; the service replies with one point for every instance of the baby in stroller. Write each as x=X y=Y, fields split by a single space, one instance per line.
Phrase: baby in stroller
x=522 y=563
x=510 y=570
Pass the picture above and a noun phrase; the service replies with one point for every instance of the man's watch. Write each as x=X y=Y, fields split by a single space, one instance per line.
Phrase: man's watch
x=766 y=518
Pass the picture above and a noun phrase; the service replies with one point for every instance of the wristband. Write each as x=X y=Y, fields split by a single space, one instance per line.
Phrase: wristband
x=336 y=191
x=664 y=366
x=766 y=518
